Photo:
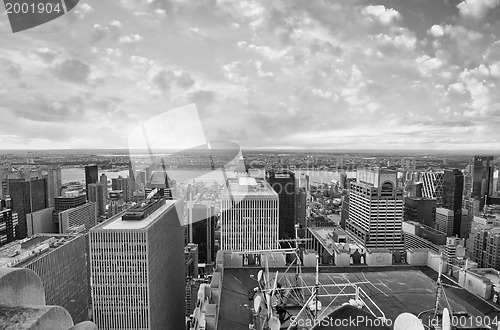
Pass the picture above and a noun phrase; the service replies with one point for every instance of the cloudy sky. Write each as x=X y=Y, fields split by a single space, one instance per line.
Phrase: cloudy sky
x=265 y=74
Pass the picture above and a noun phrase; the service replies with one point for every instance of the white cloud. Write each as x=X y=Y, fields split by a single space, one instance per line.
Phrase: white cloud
x=382 y=14
x=130 y=39
x=477 y=8
x=436 y=31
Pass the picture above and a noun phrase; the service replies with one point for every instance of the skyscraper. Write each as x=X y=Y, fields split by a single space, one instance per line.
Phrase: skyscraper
x=432 y=186
x=125 y=184
x=97 y=193
x=482 y=181
x=91 y=176
x=204 y=232
x=376 y=209
x=54 y=183
x=250 y=216
x=420 y=209
x=28 y=195
x=283 y=182
x=453 y=185
x=137 y=268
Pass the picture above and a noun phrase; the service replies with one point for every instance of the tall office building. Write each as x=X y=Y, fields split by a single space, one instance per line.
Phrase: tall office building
x=8 y=222
x=484 y=246
x=283 y=182
x=482 y=181
x=97 y=193
x=103 y=180
x=59 y=261
x=420 y=209
x=91 y=176
x=445 y=219
x=28 y=195
x=124 y=184
x=376 y=209
x=54 y=184
x=69 y=200
x=453 y=185
x=204 y=232
x=250 y=215
x=432 y=186
x=137 y=268
x=80 y=218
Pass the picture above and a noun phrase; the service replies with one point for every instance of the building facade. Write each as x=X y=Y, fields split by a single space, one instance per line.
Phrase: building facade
x=420 y=209
x=28 y=195
x=432 y=186
x=250 y=215
x=91 y=176
x=137 y=268
x=283 y=182
x=453 y=187
x=376 y=209
x=482 y=181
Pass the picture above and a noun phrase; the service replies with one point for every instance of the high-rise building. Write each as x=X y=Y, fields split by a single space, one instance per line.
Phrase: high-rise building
x=453 y=185
x=91 y=176
x=250 y=215
x=432 y=186
x=116 y=203
x=28 y=195
x=70 y=200
x=137 y=268
x=103 y=180
x=484 y=246
x=444 y=220
x=420 y=209
x=8 y=222
x=59 y=261
x=376 y=209
x=482 y=181
x=125 y=184
x=54 y=184
x=80 y=218
x=97 y=193
x=283 y=182
x=204 y=232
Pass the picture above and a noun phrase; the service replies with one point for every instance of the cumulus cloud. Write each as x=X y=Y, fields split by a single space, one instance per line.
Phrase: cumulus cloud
x=436 y=31
x=384 y=15
x=112 y=30
x=477 y=8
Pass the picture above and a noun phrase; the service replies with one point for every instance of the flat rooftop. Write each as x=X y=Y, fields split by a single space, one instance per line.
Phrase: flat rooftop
x=117 y=223
x=31 y=248
x=248 y=186
x=394 y=290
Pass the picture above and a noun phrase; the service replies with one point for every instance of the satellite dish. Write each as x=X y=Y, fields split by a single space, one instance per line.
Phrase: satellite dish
x=259 y=275
x=408 y=321
x=274 y=323
x=256 y=303
x=446 y=319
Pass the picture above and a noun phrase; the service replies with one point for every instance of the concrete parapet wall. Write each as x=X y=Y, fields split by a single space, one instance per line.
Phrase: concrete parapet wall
x=20 y=286
x=22 y=304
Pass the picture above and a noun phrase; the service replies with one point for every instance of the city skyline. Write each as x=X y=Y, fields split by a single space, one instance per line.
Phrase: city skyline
x=282 y=75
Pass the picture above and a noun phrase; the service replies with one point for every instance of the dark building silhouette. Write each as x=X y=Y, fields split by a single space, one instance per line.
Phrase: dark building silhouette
x=204 y=232
x=283 y=183
x=453 y=188
x=421 y=210
x=91 y=176
x=28 y=195
x=482 y=181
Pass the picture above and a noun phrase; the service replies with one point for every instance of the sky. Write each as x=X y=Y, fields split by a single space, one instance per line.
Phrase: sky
x=387 y=74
